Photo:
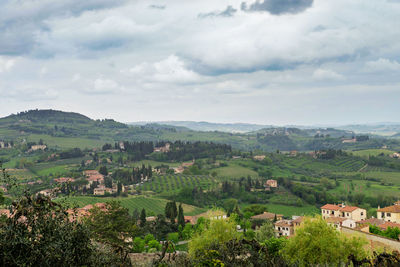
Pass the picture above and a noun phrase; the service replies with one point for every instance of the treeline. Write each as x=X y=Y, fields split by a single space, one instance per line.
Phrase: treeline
x=242 y=190
x=183 y=151
x=135 y=176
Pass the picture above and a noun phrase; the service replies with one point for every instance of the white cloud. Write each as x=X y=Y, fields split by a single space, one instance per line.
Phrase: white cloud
x=382 y=65
x=326 y=75
x=6 y=64
x=104 y=86
x=169 y=70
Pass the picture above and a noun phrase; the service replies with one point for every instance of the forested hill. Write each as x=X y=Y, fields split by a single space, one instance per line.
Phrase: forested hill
x=67 y=129
x=46 y=115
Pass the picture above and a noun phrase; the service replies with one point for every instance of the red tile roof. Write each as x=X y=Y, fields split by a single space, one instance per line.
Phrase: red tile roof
x=386 y=225
x=372 y=221
x=394 y=208
x=335 y=220
x=330 y=207
x=348 y=209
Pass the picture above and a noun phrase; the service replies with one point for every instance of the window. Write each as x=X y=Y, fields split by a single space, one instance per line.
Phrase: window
x=388 y=214
x=362 y=213
x=348 y=214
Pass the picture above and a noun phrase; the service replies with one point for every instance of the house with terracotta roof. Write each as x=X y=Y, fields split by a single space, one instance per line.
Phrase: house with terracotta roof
x=271 y=183
x=62 y=180
x=336 y=222
x=297 y=221
x=390 y=213
x=384 y=226
x=343 y=211
x=267 y=216
x=284 y=228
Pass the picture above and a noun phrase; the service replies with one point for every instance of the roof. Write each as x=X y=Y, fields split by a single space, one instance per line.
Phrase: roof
x=330 y=207
x=335 y=219
x=339 y=207
x=266 y=216
x=298 y=219
x=372 y=221
x=349 y=208
x=394 y=208
x=284 y=223
x=386 y=225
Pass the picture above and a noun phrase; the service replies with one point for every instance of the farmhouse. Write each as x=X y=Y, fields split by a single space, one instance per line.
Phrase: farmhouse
x=267 y=216
x=163 y=149
x=96 y=178
x=64 y=180
x=271 y=183
x=390 y=213
x=38 y=147
x=343 y=211
x=284 y=228
x=259 y=157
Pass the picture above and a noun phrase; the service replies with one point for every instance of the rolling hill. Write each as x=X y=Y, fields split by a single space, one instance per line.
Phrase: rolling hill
x=61 y=129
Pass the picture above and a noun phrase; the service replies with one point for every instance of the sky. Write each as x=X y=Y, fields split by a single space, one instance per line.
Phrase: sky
x=278 y=62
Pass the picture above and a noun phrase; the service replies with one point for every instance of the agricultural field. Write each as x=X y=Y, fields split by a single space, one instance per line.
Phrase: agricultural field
x=170 y=184
x=372 y=152
x=153 y=206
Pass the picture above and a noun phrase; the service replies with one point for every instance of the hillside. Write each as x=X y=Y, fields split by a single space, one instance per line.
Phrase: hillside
x=68 y=130
x=210 y=126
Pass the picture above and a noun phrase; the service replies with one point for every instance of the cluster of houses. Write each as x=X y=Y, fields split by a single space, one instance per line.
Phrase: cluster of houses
x=37 y=147
x=338 y=216
x=5 y=145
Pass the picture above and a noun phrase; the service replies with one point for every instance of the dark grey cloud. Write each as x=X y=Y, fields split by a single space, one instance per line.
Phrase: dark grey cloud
x=20 y=21
x=161 y=7
x=278 y=7
x=228 y=12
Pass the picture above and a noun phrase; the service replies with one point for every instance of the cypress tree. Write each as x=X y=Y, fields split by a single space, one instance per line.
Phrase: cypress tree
x=181 y=217
x=143 y=218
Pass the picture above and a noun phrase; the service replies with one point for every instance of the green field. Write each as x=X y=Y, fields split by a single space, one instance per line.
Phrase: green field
x=372 y=152
x=235 y=171
x=153 y=206
x=66 y=142
x=169 y=184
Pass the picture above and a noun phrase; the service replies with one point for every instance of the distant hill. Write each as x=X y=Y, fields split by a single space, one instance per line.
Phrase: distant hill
x=384 y=128
x=68 y=129
x=210 y=126
x=46 y=116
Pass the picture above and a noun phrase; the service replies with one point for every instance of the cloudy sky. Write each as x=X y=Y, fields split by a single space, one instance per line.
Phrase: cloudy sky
x=266 y=61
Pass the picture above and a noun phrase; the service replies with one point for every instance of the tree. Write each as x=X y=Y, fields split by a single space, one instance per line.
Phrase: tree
x=103 y=170
x=171 y=211
x=114 y=227
x=181 y=217
x=216 y=232
x=40 y=234
x=317 y=243
x=143 y=218
x=265 y=232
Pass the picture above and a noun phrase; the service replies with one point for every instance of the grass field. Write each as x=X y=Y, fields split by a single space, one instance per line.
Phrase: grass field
x=66 y=142
x=235 y=171
x=372 y=152
x=168 y=184
x=153 y=206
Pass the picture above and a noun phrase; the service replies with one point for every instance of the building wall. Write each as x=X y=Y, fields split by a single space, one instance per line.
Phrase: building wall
x=393 y=244
x=394 y=217
x=358 y=215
